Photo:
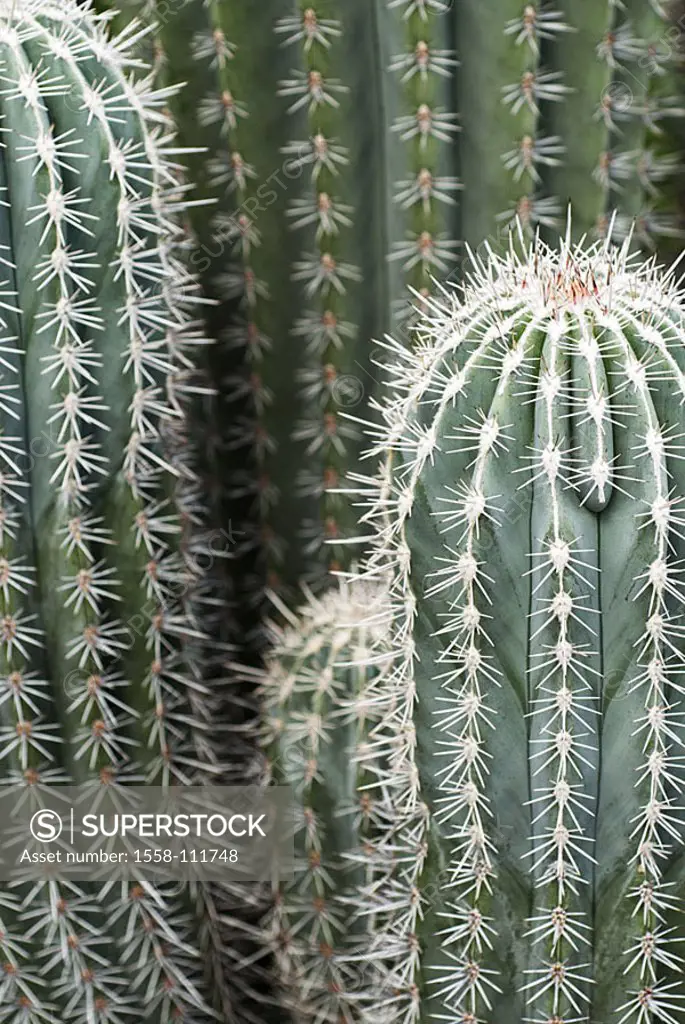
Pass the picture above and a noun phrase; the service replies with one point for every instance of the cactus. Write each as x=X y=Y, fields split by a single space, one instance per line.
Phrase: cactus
x=300 y=256
x=528 y=863
x=320 y=698
x=102 y=537
x=168 y=59
x=376 y=140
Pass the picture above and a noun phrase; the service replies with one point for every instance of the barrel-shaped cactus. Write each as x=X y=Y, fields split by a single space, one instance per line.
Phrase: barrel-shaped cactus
x=535 y=540
x=530 y=861
x=102 y=552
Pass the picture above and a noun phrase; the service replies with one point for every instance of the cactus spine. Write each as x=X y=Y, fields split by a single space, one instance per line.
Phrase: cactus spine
x=528 y=864
x=101 y=518
x=325 y=274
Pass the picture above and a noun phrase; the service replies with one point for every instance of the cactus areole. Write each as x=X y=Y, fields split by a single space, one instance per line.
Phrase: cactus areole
x=531 y=518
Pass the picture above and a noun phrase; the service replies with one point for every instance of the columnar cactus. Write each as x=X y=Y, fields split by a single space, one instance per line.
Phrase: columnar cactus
x=320 y=698
x=528 y=865
x=419 y=61
x=102 y=546
x=163 y=59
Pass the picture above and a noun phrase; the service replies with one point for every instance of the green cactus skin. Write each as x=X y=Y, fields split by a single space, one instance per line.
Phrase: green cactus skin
x=298 y=320
x=170 y=49
x=314 y=309
x=102 y=540
x=504 y=91
x=320 y=699
x=528 y=863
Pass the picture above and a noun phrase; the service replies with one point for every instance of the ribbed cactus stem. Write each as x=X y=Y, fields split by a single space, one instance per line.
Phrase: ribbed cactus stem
x=506 y=86
x=422 y=75
x=563 y=665
x=327 y=277
x=533 y=542
x=232 y=178
x=320 y=705
x=589 y=54
x=99 y=531
x=641 y=165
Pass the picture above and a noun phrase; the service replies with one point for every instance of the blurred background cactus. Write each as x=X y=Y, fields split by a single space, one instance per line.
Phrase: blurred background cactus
x=354 y=150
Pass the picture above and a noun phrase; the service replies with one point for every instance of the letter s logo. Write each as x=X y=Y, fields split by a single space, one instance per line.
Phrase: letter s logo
x=46 y=826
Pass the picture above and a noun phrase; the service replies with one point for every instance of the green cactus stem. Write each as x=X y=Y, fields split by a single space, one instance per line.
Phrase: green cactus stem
x=101 y=536
x=442 y=124
x=534 y=547
x=320 y=700
x=528 y=865
x=504 y=88
x=416 y=52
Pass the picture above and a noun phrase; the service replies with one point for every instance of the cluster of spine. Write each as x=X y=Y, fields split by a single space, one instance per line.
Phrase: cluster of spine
x=529 y=726
x=321 y=704
x=102 y=516
x=426 y=128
